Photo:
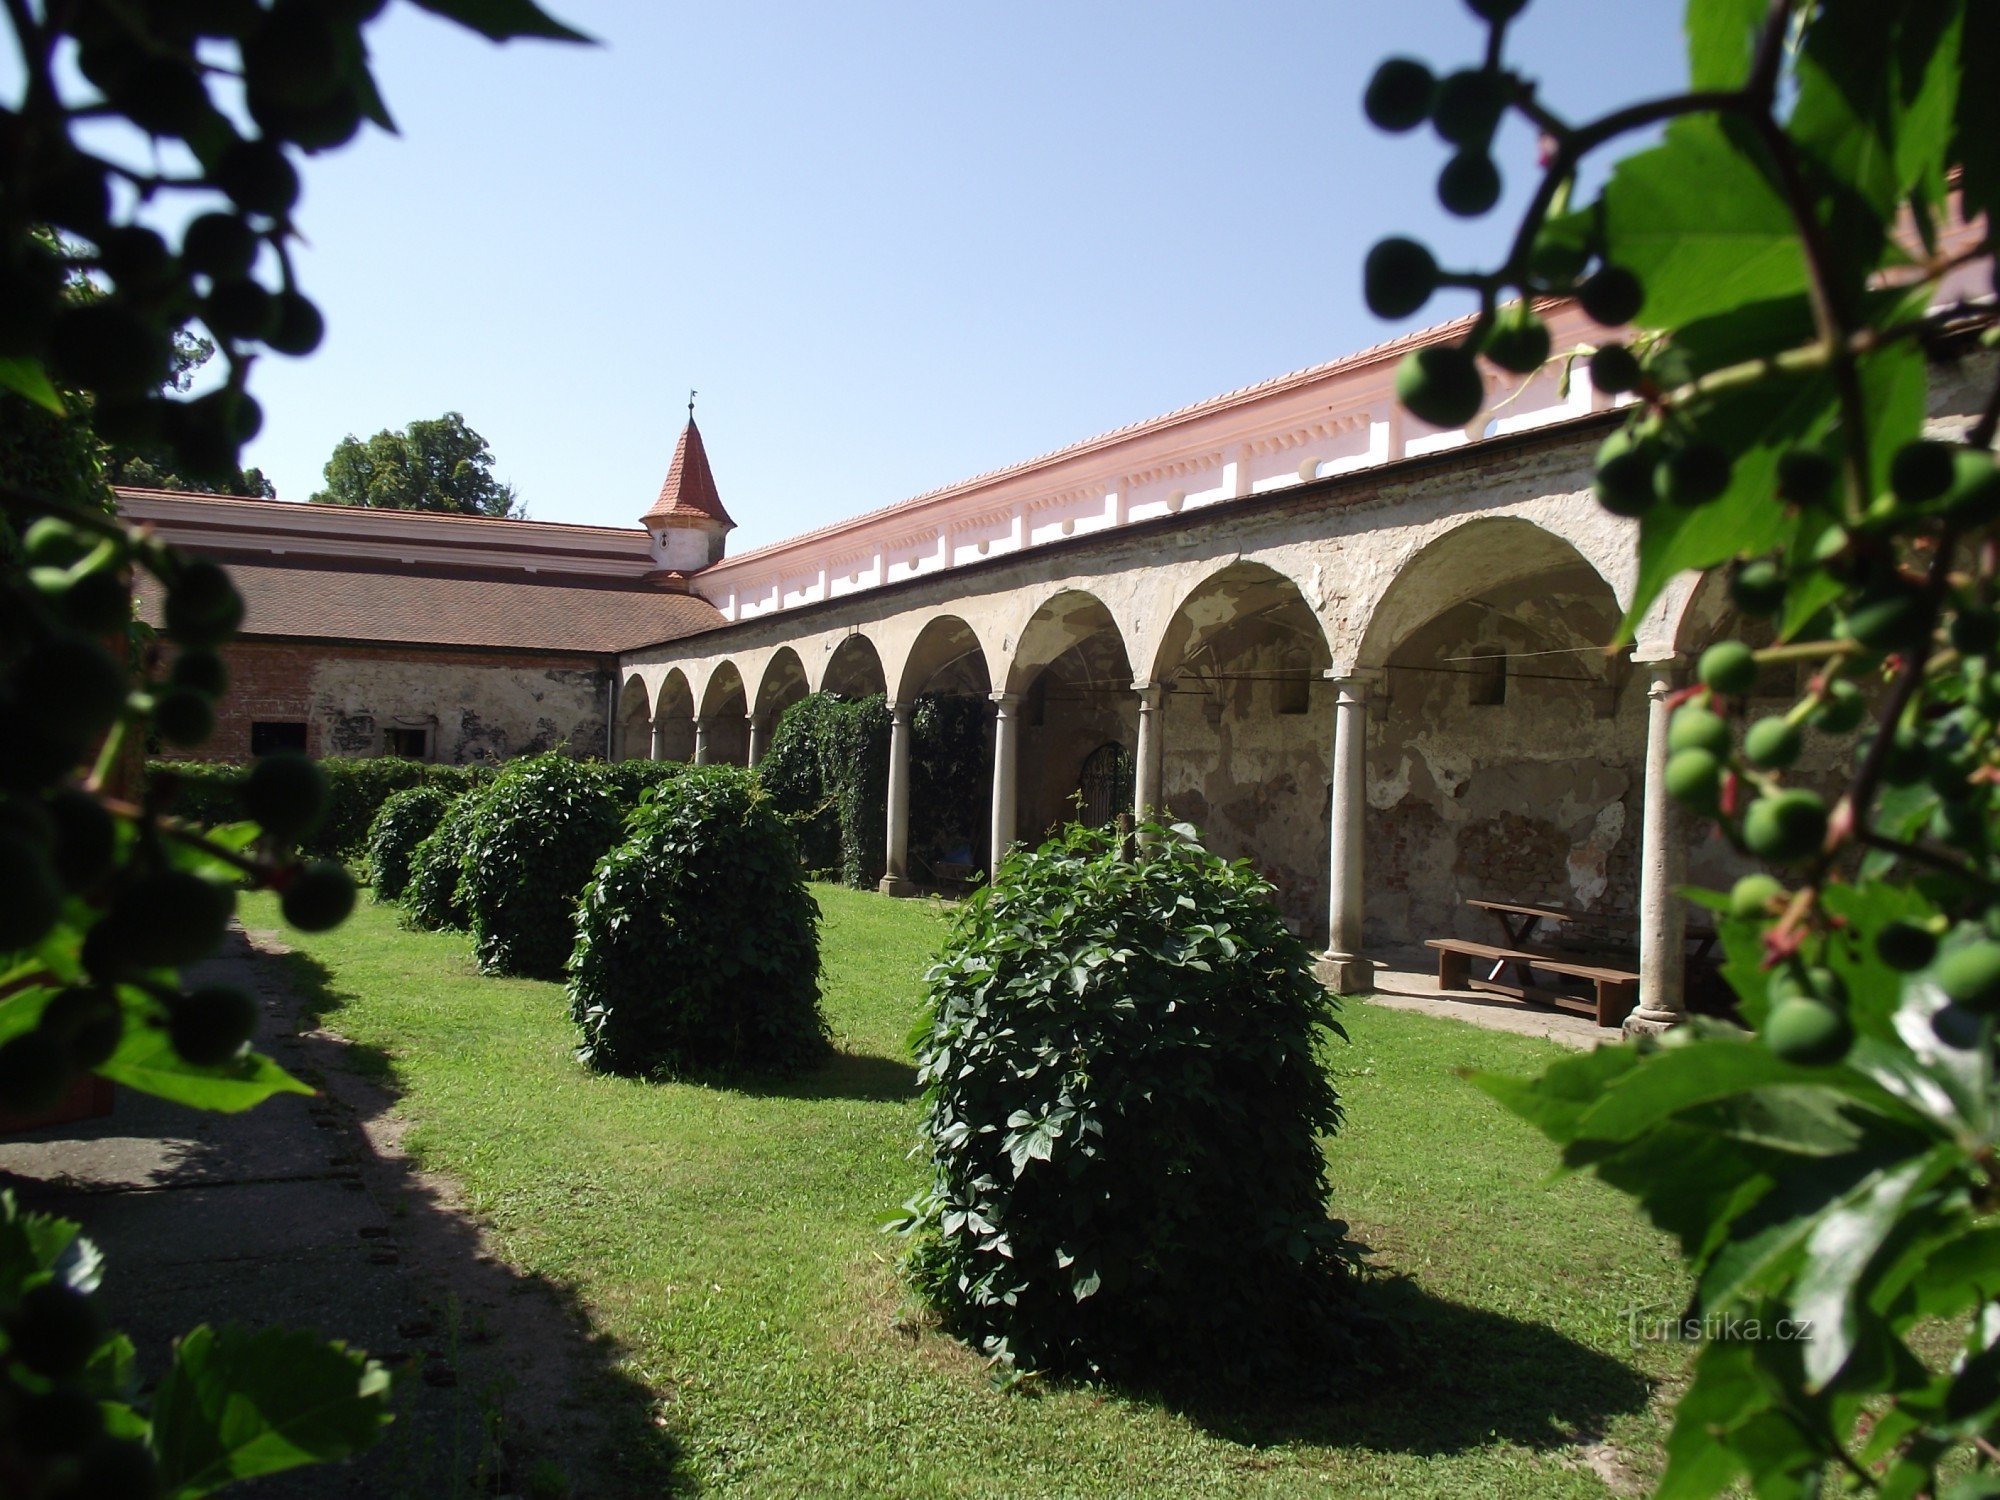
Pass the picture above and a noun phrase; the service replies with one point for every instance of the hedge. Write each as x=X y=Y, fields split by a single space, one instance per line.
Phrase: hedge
x=433 y=895
x=405 y=821
x=357 y=788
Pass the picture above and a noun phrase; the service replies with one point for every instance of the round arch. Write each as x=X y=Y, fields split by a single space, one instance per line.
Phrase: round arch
x=634 y=732
x=1236 y=601
x=946 y=658
x=1476 y=558
x=673 y=716
x=853 y=668
x=1064 y=623
x=724 y=716
x=782 y=683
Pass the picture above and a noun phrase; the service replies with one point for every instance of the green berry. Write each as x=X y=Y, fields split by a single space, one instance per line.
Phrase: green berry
x=1841 y=710
x=1696 y=728
x=85 y=838
x=1757 y=588
x=202 y=670
x=258 y=177
x=219 y=245
x=30 y=895
x=1975 y=632
x=162 y=920
x=1694 y=777
x=211 y=1025
x=1399 y=95
x=1805 y=476
x=202 y=606
x=296 y=326
x=1611 y=296
x=1518 y=340
x=285 y=795
x=87 y=1021
x=1785 y=827
x=1888 y=619
x=1440 y=384
x=54 y=543
x=1692 y=474
x=1974 y=496
x=1728 y=667
x=109 y=347
x=1773 y=743
x=1906 y=947
x=1469 y=185
x=1398 y=277
x=1753 y=894
x=1614 y=370
x=1467 y=106
x=1808 y=1033
x=183 y=717
x=54 y=1329
x=318 y=897
x=1921 y=471
x=237 y=309
x=1623 y=482
x=34 y=1073
x=1970 y=976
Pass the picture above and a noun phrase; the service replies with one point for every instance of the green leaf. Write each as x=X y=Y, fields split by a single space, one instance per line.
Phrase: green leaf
x=1701 y=227
x=1837 y=1255
x=243 y=1402
x=1721 y=40
x=146 y=1061
x=1563 y=1094
x=26 y=378
x=1975 y=144
x=502 y=20
x=1723 y=1391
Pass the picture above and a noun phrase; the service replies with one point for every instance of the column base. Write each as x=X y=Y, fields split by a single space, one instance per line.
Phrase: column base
x=1345 y=973
x=897 y=885
x=1652 y=1022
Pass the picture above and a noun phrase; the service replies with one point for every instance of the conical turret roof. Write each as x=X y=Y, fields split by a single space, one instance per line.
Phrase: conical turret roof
x=689 y=493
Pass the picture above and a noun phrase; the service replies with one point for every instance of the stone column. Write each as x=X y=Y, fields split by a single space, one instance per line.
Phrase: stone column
x=701 y=742
x=896 y=872
x=659 y=751
x=757 y=747
x=1662 y=867
x=1344 y=968
x=1152 y=747
x=1006 y=772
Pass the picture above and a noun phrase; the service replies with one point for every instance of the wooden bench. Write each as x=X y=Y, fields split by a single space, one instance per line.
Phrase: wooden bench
x=1617 y=989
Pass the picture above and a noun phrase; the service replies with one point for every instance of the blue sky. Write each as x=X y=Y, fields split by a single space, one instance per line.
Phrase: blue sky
x=894 y=245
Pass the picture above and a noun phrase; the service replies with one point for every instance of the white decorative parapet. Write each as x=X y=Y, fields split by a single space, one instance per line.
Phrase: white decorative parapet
x=1332 y=419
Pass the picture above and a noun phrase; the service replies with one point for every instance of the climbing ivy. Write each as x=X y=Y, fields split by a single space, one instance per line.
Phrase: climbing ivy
x=1832 y=1173
x=950 y=778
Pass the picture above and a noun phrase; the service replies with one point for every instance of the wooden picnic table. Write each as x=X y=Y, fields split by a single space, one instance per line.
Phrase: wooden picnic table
x=1519 y=921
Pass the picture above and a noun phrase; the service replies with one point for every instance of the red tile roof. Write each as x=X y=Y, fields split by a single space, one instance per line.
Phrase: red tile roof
x=689 y=492
x=346 y=601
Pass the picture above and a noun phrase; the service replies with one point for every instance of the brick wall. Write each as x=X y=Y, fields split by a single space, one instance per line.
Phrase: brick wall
x=472 y=705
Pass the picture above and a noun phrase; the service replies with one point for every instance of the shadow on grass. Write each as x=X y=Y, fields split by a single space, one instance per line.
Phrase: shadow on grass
x=1451 y=1378
x=859 y=1076
x=290 y=1214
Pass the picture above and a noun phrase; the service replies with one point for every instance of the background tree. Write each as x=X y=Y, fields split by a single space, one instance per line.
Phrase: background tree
x=152 y=466
x=1832 y=1173
x=440 y=465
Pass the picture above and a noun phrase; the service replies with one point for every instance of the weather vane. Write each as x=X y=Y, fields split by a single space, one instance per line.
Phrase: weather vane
x=691 y=396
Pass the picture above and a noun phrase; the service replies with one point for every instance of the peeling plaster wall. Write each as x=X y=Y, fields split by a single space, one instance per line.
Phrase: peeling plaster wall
x=477 y=704
x=1533 y=799
x=474 y=712
x=1050 y=769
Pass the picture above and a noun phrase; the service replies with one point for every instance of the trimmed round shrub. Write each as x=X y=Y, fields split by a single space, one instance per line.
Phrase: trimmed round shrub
x=432 y=895
x=405 y=821
x=697 y=942
x=1124 y=1112
x=537 y=834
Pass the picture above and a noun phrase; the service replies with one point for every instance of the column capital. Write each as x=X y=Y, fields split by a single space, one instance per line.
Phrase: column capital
x=1149 y=693
x=700 y=721
x=900 y=712
x=1004 y=701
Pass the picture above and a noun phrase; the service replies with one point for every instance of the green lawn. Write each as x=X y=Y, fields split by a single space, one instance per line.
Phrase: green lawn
x=726 y=1241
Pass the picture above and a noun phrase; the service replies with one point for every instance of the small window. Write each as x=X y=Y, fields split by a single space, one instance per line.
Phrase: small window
x=1486 y=682
x=1294 y=688
x=268 y=735
x=410 y=744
